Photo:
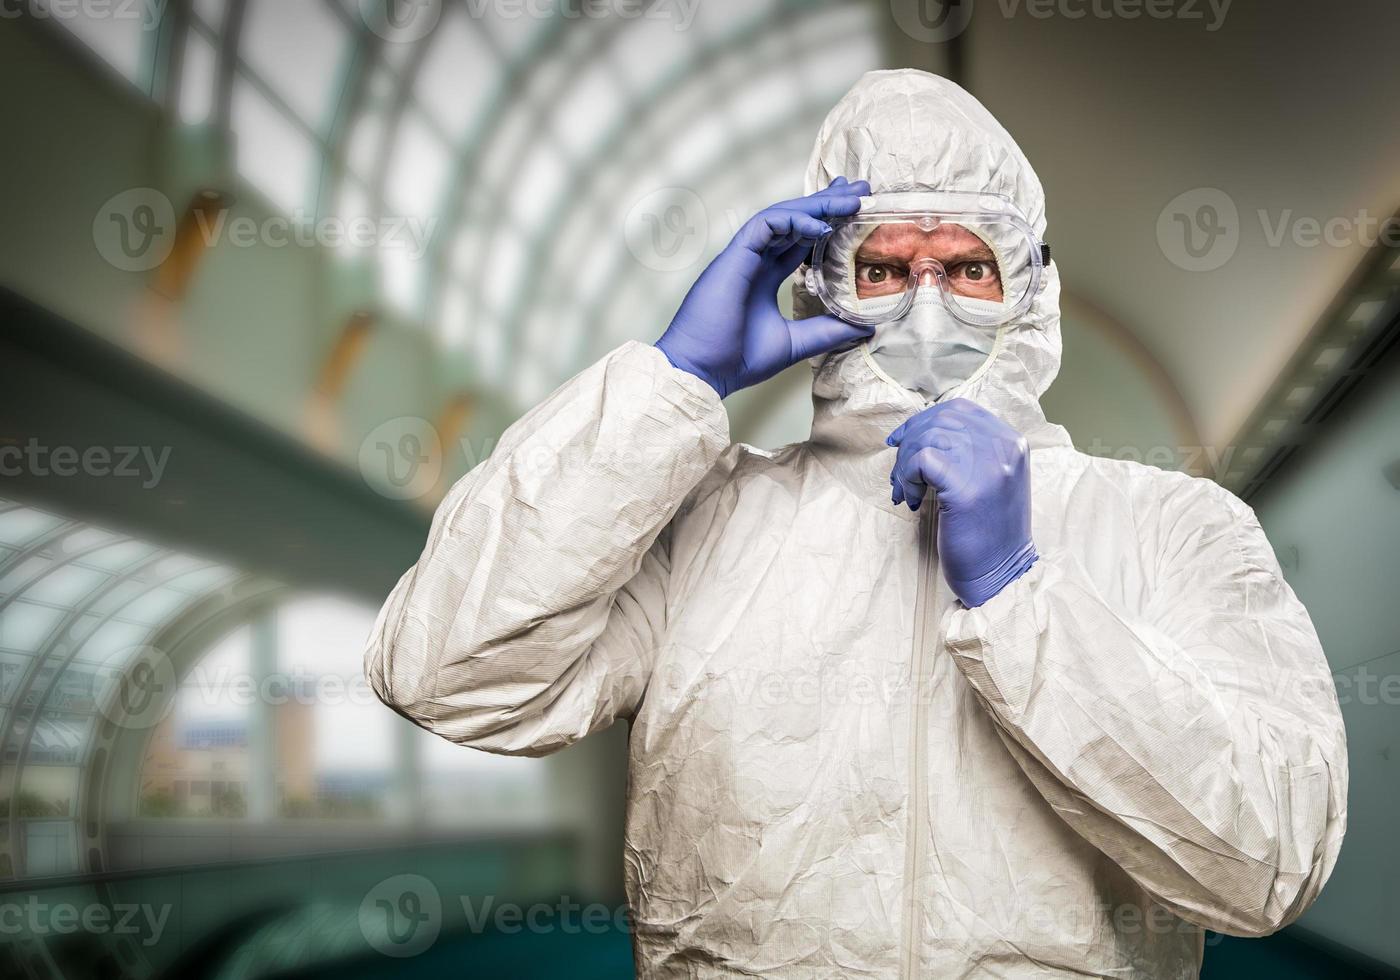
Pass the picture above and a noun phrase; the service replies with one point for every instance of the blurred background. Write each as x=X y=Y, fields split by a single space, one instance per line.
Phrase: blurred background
x=274 y=273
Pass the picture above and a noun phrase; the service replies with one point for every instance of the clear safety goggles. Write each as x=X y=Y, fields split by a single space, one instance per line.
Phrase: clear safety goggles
x=976 y=251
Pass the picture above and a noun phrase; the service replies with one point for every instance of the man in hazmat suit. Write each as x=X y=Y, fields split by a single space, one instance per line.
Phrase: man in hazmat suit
x=931 y=694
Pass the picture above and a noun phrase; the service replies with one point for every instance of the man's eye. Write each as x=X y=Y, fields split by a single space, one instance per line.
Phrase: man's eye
x=876 y=275
x=980 y=271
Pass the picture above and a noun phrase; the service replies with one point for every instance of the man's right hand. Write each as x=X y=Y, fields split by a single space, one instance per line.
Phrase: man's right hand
x=729 y=331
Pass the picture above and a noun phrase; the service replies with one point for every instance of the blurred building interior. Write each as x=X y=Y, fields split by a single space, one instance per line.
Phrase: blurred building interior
x=273 y=275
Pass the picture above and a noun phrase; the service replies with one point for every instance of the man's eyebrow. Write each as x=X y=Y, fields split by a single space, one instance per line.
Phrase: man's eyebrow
x=875 y=256
x=980 y=251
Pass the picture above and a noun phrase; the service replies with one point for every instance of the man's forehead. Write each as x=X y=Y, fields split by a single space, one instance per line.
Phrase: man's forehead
x=900 y=239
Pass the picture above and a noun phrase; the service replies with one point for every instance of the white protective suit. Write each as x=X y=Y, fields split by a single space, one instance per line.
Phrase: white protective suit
x=837 y=770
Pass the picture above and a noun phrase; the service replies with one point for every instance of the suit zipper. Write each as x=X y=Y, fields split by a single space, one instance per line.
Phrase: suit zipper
x=925 y=607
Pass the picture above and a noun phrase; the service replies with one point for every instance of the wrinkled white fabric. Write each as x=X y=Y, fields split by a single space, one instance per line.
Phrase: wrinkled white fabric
x=836 y=770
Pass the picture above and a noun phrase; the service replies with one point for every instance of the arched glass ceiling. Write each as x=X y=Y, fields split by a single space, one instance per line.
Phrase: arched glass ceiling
x=77 y=605
x=522 y=142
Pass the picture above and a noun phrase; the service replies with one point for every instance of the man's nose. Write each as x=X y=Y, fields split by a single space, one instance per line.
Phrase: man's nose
x=925 y=272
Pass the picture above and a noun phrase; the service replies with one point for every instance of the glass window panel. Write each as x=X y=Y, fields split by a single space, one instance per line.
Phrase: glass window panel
x=695 y=148
x=766 y=101
x=47 y=791
x=366 y=144
x=116 y=557
x=116 y=597
x=402 y=280
x=466 y=250
x=458 y=74
x=198 y=79
x=452 y=320
x=12 y=668
x=116 y=32
x=275 y=157
x=353 y=207
x=834 y=67
x=85 y=539
x=115 y=643
x=417 y=171
x=503 y=278
x=533 y=381
x=297 y=48
x=488 y=348
x=78 y=688
x=66 y=585
x=50 y=845
x=204 y=740
x=336 y=746
x=19 y=577
x=503 y=147
x=461 y=786
x=202 y=581
x=649 y=48
x=211 y=12
x=591 y=107
x=23 y=524
x=510 y=34
x=156 y=606
x=24 y=626
x=543 y=173
x=717 y=19
x=172 y=565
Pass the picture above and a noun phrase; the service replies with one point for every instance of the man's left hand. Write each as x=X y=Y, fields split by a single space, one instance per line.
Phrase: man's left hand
x=979 y=469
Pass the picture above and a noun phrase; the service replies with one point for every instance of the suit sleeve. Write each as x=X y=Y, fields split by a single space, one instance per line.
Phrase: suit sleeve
x=1197 y=742
x=532 y=616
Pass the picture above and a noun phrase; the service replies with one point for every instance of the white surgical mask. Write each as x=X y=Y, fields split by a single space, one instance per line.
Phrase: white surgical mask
x=930 y=351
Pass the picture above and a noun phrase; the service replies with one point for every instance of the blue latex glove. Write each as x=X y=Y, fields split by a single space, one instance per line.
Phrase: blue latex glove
x=729 y=331
x=979 y=467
